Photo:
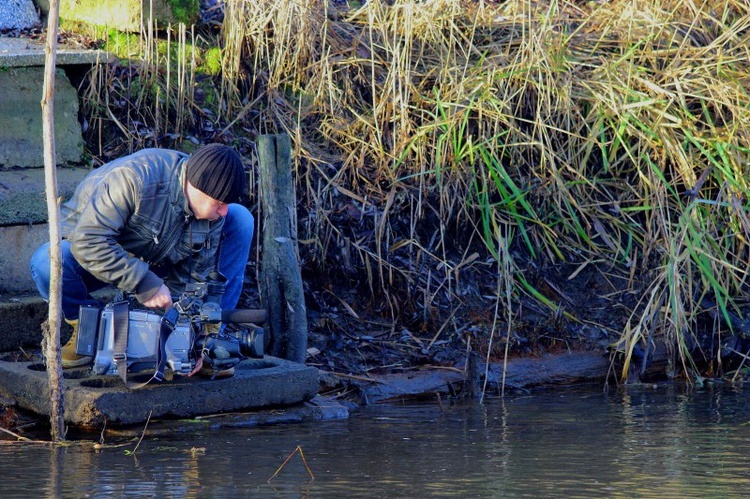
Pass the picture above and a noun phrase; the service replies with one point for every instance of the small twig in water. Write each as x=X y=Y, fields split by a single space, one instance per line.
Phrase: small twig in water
x=304 y=461
x=101 y=435
x=19 y=437
x=142 y=435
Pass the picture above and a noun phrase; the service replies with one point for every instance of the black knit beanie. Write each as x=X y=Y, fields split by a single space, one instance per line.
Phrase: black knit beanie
x=217 y=170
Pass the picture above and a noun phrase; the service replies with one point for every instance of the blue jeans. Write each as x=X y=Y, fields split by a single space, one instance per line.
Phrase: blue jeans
x=78 y=284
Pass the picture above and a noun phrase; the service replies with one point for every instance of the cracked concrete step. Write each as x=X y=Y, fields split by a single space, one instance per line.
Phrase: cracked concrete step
x=23 y=221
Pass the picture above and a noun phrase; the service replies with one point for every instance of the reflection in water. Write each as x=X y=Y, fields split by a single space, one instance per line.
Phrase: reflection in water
x=54 y=476
x=642 y=441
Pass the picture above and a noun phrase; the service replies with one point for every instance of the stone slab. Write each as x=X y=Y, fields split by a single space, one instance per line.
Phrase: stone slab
x=21 y=142
x=24 y=52
x=18 y=14
x=95 y=401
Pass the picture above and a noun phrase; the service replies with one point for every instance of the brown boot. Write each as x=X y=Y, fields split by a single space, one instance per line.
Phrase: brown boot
x=69 y=356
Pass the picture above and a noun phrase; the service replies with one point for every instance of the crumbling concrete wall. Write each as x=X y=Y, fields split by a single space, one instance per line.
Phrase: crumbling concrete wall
x=21 y=118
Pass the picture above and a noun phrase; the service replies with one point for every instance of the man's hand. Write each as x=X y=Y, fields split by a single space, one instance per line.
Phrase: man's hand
x=162 y=299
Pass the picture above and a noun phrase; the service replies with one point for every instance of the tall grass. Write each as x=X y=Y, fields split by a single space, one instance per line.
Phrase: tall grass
x=150 y=96
x=580 y=133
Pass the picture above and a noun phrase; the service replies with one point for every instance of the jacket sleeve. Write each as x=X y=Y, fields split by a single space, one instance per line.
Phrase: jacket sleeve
x=94 y=241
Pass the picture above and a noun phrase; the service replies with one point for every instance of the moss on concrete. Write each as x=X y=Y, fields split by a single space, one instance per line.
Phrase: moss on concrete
x=125 y=15
x=185 y=11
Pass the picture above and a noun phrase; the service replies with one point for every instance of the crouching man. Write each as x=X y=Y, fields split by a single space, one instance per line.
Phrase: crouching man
x=150 y=223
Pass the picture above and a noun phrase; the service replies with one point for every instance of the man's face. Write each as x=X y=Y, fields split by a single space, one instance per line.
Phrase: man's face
x=203 y=206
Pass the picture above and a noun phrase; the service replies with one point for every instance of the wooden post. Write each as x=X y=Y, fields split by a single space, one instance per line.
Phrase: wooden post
x=51 y=343
x=282 y=292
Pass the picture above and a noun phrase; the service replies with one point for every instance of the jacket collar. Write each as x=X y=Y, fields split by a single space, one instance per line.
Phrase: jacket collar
x=179 y=198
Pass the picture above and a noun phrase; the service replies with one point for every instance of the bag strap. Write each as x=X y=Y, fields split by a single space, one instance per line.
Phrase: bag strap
x=168 y=322
x=121 y=320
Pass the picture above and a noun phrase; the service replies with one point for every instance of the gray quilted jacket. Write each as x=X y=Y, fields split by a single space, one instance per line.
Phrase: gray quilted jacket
x=129 y=223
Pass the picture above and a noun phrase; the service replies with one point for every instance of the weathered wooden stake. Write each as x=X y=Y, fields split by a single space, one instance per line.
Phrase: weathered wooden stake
x=51 y=343
x=282 y=292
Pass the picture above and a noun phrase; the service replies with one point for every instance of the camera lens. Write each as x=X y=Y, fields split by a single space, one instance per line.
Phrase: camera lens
x=251 y=342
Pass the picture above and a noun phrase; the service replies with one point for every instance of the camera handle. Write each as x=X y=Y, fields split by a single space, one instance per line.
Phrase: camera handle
x=121 y=319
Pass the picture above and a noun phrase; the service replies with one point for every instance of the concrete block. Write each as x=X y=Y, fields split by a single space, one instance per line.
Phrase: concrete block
x=23 y=197
x=127 y=15
x=93 y=401
x=22 y=315
x=25 y=52
x=23 y=217
x=17 y=244
x=21 y=319
x=21 y=141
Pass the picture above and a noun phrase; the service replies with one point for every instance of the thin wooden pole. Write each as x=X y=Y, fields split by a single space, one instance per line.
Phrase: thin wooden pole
x=51 y=343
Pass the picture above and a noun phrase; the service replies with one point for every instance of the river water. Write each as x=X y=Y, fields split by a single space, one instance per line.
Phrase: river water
x=639 y=441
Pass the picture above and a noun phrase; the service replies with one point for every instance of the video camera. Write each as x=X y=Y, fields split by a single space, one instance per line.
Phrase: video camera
x=123 y=337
